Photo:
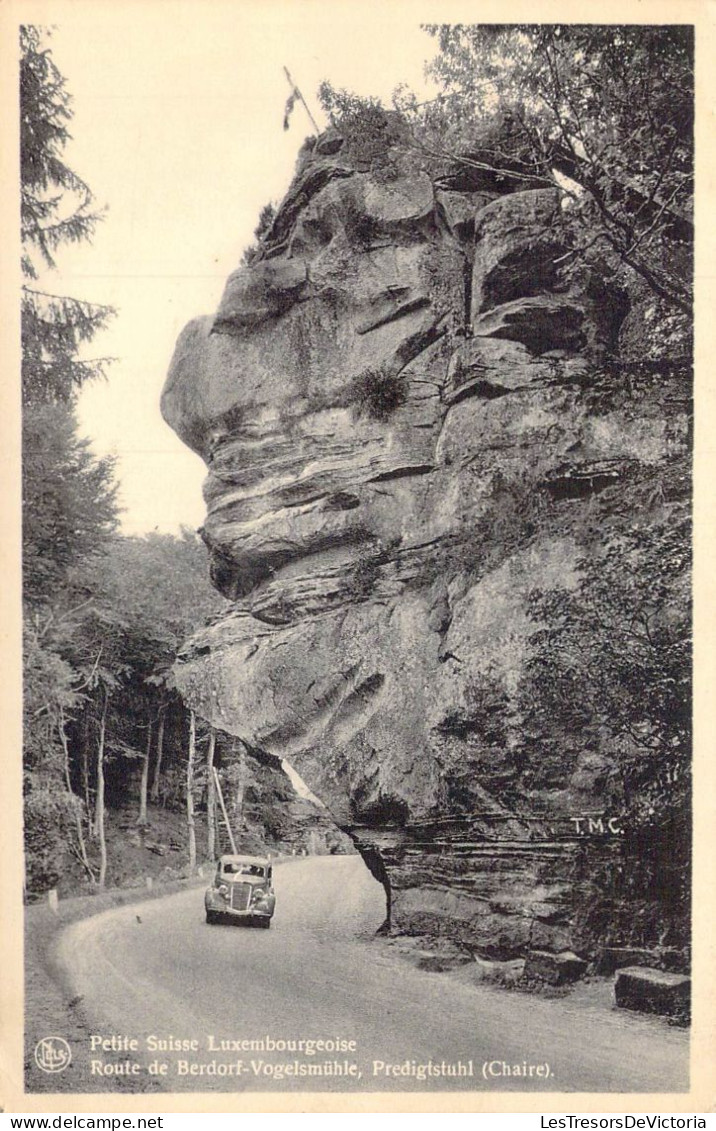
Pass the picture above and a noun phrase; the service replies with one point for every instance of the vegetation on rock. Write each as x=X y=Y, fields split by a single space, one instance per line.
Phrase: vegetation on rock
x=603 y=113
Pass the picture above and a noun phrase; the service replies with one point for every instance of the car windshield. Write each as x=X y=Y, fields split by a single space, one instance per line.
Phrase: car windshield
x=232 y=868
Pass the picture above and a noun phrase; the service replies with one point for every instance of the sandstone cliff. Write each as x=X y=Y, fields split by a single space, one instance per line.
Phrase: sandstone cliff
x=414 y=431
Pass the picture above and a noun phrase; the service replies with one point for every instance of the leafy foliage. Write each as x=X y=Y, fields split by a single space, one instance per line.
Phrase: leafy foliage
x=49 y=693
x=158 y=592
x=351 y=112
x=610 y=672
x=365 y=125
x=263 y=227
x=604 y=113
x=48 y=816
x=614 y=659
x=98 y=662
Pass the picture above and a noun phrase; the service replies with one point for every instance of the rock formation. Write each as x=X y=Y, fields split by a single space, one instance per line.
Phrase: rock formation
x=396 y=405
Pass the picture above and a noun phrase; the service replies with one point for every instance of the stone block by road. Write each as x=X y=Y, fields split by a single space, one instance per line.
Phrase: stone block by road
x=652 y=991
x=555 y=969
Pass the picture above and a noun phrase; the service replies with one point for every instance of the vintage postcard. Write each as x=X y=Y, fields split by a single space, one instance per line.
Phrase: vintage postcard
x=358 y=754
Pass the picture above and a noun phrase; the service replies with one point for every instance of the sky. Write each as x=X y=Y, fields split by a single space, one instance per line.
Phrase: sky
x=177 y=130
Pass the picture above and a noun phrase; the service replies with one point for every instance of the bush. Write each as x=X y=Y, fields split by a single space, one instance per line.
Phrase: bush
x=377 y=393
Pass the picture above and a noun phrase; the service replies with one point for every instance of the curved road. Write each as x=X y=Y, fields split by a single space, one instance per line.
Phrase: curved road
x=155 y=972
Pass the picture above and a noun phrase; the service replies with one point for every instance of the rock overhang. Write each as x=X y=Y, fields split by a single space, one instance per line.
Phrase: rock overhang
x=383 y=400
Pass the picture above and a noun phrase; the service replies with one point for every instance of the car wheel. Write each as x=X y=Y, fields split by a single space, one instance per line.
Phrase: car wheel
x=211 y=916
x=265 y=923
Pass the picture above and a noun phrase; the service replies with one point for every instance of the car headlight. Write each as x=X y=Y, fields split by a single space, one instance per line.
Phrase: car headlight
x=223 y=890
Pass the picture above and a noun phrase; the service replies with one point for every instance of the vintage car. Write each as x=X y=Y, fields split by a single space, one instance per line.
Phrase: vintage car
x=241 y=891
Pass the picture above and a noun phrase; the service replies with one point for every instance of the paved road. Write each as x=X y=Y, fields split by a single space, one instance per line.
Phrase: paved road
x=317 y=975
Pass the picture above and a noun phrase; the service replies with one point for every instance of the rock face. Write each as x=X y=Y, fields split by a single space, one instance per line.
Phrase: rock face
x=391 y=404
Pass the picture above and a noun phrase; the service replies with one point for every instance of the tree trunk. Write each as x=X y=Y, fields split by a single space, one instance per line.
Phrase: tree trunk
x=190 y=791
x=142 y=818
x=160 y=752
x=211 y=798
x=224 y=814
x=99 y=801
x=81 y=846
x=84 y=744
x=240 y=787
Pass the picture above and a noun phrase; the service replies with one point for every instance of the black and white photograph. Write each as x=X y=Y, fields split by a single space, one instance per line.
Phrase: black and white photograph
x=356 y=373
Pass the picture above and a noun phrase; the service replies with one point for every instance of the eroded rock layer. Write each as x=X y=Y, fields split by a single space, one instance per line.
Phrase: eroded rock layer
x=396 y=404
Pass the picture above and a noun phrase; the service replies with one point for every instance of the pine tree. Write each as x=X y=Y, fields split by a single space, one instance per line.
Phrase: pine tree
x=69 y=508
x=69 y=502
x=56 y=208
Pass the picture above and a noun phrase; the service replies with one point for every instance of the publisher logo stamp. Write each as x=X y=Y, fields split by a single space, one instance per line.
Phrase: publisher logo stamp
x=52 y=1054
